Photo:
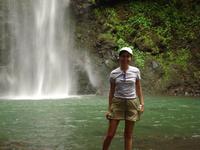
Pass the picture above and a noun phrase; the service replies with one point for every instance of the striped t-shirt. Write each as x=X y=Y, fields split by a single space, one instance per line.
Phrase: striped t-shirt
x=125 y=82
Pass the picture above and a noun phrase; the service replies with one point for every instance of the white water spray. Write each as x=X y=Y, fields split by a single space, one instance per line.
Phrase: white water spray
x=42 y=53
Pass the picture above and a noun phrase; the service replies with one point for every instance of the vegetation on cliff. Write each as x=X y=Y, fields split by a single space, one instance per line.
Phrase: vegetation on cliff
x=164 y=36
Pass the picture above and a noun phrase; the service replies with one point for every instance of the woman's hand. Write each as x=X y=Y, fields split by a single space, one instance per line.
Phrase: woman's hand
x=107 y=115
x=140 y=95
x=141 y=108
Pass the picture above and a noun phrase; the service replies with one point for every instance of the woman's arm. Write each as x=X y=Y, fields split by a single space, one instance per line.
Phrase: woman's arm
x=139 y=93
x=111 y=94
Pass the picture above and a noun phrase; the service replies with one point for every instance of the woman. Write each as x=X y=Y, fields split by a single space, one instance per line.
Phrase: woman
x=125 y=99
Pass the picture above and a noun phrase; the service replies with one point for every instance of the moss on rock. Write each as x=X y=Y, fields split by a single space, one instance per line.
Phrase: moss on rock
x=164 y=36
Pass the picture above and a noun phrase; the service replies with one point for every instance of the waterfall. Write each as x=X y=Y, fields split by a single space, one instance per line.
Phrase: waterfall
x=42 y=53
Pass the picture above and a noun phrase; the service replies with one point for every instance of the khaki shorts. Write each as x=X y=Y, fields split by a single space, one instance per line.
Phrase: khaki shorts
x=123 y=109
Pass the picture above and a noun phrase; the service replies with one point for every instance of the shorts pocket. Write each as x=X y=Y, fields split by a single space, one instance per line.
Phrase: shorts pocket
x=116 y=102
x=136 y=104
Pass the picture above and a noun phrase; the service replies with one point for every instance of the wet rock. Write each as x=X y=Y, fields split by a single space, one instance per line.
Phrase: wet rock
x=81 y=6
x=106 y=46
x=154 y=64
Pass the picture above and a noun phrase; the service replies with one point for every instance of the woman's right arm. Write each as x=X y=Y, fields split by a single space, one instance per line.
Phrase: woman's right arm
x=111 y=94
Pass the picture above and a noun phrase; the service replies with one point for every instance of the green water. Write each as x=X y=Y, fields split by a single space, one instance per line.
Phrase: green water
x=79 y=124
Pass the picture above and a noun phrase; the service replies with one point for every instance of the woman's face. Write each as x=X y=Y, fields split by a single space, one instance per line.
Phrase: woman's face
x=125 y=58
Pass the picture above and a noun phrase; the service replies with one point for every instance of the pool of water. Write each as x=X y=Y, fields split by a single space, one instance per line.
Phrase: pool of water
x=79 y=124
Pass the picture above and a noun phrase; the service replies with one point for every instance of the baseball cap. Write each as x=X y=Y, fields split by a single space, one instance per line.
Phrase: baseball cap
x=127 y=49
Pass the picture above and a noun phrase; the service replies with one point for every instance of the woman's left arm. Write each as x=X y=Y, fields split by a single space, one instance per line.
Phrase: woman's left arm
x=139 y=93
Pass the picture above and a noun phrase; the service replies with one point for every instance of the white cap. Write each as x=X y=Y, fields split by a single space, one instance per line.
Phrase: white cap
x=127 y=49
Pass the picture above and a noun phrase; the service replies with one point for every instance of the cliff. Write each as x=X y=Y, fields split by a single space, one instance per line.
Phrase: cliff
x=164 y=35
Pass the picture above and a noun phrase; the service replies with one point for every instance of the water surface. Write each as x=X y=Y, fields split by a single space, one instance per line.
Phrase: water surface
x=78 y=123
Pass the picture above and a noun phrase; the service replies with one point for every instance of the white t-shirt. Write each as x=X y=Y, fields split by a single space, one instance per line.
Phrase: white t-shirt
x=125 y=82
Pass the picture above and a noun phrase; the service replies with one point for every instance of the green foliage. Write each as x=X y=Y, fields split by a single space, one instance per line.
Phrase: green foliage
x=181 y=58
x=139 y=58
x=97 y=13
x=170 y=61
x=106 y=36
x=139 y=20
x=121 y=43
x=92 y=1
x=110 y=14
x=159 y=29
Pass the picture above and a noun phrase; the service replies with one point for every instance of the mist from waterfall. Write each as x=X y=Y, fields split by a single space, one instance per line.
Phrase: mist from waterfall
x=42 y=53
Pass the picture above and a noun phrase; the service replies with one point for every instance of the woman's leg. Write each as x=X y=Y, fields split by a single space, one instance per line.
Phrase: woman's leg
x=110 y=133
x=128 y=131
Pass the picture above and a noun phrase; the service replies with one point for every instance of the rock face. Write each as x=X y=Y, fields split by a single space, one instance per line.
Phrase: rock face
x=165 y=40
x=81 y=7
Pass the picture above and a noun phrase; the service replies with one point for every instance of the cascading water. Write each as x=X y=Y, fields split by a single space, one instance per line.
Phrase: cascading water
x=42 y=56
